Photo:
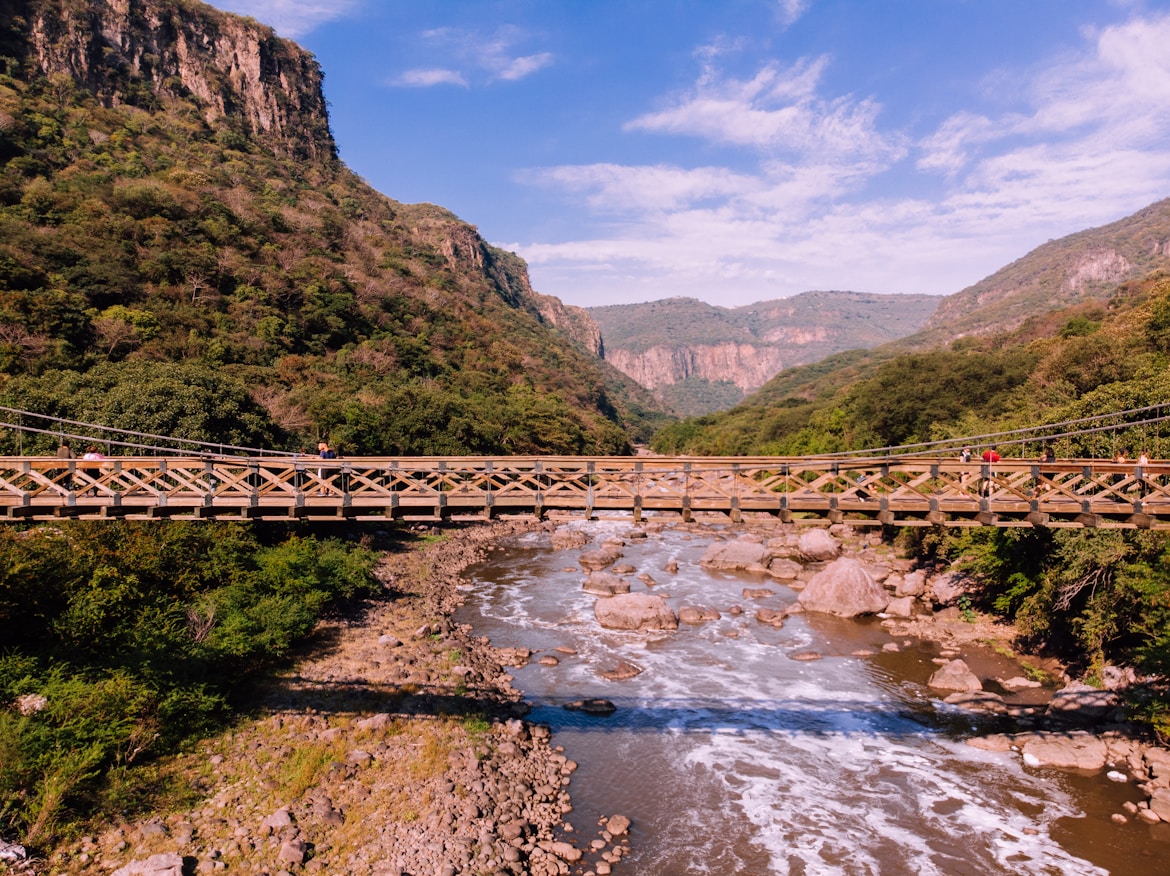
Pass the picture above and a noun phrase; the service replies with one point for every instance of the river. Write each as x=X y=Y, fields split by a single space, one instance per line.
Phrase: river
x=732 y=757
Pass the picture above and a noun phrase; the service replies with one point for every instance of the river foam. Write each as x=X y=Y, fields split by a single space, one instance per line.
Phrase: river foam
x=732 y=757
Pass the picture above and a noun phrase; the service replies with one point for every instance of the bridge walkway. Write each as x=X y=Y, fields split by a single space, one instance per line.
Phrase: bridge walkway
x=897 y=490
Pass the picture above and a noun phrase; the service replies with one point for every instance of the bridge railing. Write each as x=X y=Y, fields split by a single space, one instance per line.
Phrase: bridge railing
x=898 y=490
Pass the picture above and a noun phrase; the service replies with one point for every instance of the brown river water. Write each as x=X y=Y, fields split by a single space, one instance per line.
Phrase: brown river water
x=731 y=757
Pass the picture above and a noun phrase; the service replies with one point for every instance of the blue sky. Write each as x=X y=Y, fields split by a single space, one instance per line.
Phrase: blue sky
x=742 y=150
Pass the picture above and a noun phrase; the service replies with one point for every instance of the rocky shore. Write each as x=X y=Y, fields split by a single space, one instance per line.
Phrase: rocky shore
x=398 y=747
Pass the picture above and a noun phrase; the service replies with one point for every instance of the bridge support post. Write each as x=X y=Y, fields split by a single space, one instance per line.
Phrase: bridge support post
x=392 y=510
x=638 y=508
x=1037 y=518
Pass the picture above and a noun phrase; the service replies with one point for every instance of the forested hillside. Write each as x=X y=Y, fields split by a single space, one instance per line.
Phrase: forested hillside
x=1091 y=358
x=182 y=253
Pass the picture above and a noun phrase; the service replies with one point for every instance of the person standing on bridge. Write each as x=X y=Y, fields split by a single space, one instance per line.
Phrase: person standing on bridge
x=325 y=452
x=990 y=457
x=1044 y=484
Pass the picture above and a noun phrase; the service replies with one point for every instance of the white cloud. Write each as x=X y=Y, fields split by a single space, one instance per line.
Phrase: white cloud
x=777 y=109
x=1082 y=143
x=614 y=188
x=291 y=18
x=790 y=10
x=491 y=59
x=424 y=78
x=518 y=68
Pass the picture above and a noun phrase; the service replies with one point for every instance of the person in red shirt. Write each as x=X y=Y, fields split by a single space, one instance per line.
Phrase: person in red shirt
x=990 y=457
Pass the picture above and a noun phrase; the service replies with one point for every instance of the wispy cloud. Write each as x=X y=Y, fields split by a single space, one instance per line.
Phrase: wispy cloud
x=478 y=58
x=614 y=188
x=1082 y=143
x=292 y=18
x=426 y=78
x=788 y=11
x=778 y=109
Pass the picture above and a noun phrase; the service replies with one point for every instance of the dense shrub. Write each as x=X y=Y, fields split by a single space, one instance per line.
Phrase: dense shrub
x=120 y=640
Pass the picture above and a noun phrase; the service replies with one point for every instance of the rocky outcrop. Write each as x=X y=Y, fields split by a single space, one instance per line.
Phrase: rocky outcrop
x=845 y=589
x=465 y=250
x=140 y=52
x=748 y=366
x=663 y=344
x=737 y=556
x=1086 y=266
x=635 y=611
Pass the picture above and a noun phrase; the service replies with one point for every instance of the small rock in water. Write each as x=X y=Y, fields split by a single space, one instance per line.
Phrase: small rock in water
x=592 y=706
x=805 y=656
x=617 y=824
x=621 y=672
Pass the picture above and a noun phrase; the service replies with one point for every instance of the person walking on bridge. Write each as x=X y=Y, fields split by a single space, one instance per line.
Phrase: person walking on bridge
x=990 y=457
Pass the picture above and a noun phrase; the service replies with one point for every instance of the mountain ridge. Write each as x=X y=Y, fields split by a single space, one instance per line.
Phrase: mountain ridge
x=700 y=357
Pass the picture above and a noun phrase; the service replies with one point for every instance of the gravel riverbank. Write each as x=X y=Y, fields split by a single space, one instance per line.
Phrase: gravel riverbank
x=395 y=746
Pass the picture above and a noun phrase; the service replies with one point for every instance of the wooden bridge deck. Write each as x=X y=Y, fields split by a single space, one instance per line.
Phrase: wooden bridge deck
x=915 y=491
x=896 y=490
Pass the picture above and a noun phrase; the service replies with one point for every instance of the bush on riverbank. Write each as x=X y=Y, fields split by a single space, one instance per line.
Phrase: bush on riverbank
x=1094 y=598
x=122 y=640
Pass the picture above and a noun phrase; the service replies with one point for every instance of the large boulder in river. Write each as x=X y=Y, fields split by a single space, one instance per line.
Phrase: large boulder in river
x=955 y=675
x=1079 y=703
x=818 y=546
x=1065 y=751
x=635 y=611
x=564 y=538
x=845 y=589
x=785 y=569
x=737 y=556
x=605 y=584
x=949 y=586
x=595 y=560
x=695 y=614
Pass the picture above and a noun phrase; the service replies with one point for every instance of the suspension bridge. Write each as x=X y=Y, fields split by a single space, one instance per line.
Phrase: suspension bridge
x=919 y=485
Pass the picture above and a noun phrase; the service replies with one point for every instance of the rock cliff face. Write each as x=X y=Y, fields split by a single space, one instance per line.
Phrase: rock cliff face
x=465 y=250
x=699 y=358
x=748 y=366
x=1086 y=266
x=144 y=52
